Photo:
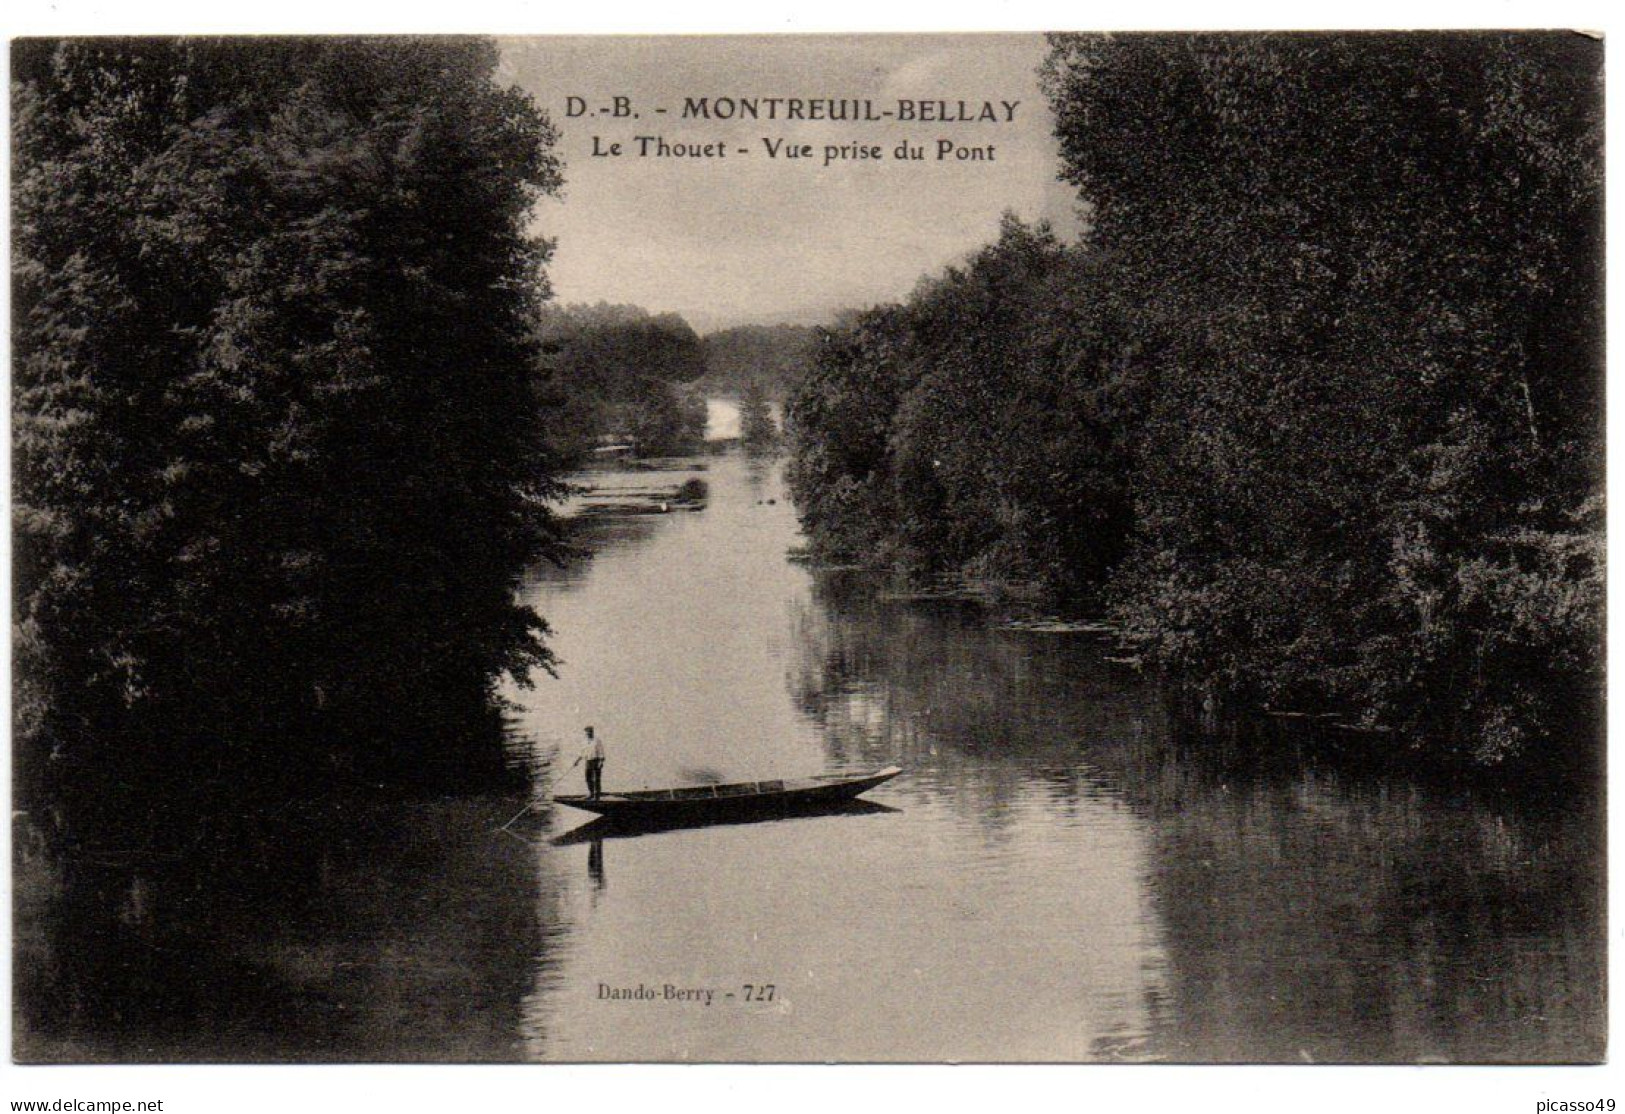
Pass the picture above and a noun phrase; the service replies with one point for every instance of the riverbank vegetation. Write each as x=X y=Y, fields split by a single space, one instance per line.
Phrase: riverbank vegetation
x=277 y=460
x=758 y=432
x=1313 y=409
x=622 y=376
x=774 y=357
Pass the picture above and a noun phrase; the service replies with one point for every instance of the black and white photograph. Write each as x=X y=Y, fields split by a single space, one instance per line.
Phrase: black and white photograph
x=841 y=548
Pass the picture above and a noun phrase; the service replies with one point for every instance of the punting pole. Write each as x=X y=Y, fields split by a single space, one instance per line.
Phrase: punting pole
x=551 y=782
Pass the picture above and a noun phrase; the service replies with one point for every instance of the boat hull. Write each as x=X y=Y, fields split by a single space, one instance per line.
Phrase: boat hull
x=737 y=800
x=629 y=827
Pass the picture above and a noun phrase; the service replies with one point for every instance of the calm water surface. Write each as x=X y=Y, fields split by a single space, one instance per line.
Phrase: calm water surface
x=1054 y=877
x=1058 y=880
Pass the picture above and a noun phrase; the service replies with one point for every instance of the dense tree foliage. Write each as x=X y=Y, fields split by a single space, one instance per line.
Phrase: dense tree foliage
x=758 y=432
x=619 y=373
x=838 y=425
x=1314 y=409
x=969 y=430
x=277 y=463
x=1366 y=272
x=772 y=356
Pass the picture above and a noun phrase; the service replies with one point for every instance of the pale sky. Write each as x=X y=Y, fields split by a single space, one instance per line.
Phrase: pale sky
x=748 y=238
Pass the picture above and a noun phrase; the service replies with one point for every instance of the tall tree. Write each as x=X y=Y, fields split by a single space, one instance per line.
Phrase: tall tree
x=757 y=429
x=1362 y=272
x=277 y=463
x=838 y=426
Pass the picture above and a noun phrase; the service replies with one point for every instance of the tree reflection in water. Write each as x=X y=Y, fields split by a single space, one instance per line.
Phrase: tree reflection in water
x=358 y=927
x=1307 y=909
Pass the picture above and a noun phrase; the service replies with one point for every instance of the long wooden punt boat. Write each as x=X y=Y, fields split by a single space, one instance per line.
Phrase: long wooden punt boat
x=744 y=797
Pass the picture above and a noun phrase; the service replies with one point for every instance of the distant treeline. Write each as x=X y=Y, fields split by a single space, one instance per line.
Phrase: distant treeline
x=278 y=464
x=618 y=374
x=1313 y=410
x=774 y=357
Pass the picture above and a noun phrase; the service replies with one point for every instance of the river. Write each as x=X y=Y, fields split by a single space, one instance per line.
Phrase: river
x=1057 y=875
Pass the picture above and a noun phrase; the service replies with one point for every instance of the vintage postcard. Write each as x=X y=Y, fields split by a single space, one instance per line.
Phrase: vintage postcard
x=998 y=548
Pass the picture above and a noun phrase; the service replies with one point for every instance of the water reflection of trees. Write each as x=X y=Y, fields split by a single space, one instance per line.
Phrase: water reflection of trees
x=758 y=473
x=1313 y=914
x=552 y=913
x=356 y=928
x=929 y=686
x=1309 y=909
x=587 y=536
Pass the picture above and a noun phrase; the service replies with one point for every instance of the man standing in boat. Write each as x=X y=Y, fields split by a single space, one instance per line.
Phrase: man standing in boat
x=594 y=754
